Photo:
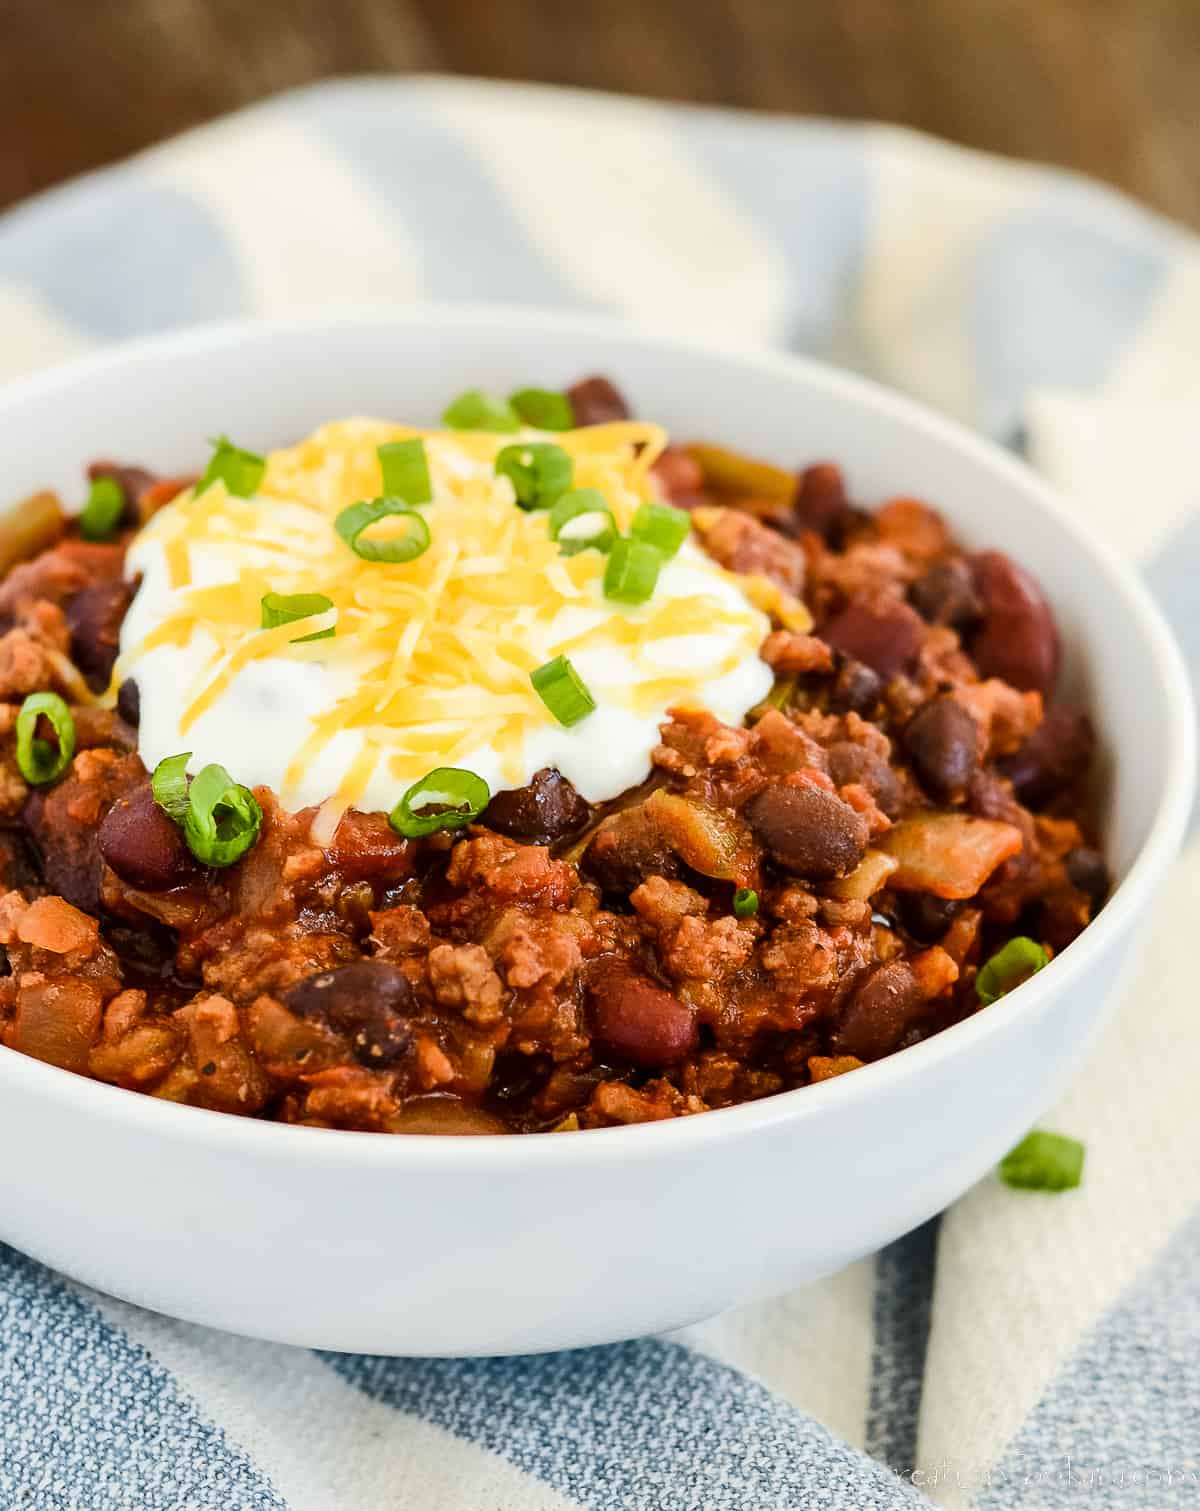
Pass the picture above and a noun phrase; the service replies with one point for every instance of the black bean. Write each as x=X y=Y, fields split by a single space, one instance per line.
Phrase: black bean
x=94 y=618
x=946 y=594
x=369 y=1002
x=925 y=916
x=19 y=869
x=879 y=1012
x=850 y=763
x=67 y=853
x=626 y=851
x=546 y=810
x=129 y=703
x=808 y=831
x=856 y=688
x=142 y=845
x=1088 y=870
x=942 y=741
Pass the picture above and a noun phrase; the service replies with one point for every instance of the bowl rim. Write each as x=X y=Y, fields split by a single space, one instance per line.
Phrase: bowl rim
x=233 y=1135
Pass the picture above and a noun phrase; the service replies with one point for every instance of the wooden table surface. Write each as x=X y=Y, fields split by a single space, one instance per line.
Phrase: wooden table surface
x=1108 y=86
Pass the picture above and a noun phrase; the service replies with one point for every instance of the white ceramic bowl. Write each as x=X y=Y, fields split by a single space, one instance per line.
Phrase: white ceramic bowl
x=432 y=1245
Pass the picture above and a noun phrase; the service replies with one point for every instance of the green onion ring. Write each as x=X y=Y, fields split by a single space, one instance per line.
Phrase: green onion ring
x=577 y=504
x=539 y=471
x=102 y=513
x=169 y=785
x=223 y=819
x=1019 y=959
x=352 y=522
x=476 y=410
x=563 y=691
x=463 y=795
x=240 y=471
x=287 y=608
x=661 y=526
x=41 y=761
x=405 y=470
x=632 y=571
x=1043 y=1161
x=543 y=408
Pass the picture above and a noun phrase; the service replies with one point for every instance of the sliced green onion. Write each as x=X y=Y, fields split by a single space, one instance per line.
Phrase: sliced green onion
x=476 y=410
x=563 y=691
x=1043 y=1162
x=41 y=761
x=632 y=571
x=460 y=796
x=745 y=902
x=661 y=526
x=405 y=469
x=222 y=819
x=286 y=608
x=582 y=521
x=539 y=471
x=103 y=510
x=543 y=408
x=1019 y=959
x=240 y=471
x=352 y=522
x=169 y=785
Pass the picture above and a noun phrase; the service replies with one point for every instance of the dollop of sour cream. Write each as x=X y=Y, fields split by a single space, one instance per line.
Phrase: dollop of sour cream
x=430 y=659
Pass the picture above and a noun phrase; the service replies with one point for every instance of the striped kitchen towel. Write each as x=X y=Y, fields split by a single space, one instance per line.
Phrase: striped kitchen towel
x=1020 y=1351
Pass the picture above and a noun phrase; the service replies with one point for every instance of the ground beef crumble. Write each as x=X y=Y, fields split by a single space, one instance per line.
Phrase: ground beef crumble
x=907 y=799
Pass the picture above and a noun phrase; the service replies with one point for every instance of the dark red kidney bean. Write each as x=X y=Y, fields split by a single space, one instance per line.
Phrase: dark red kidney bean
x=678 y=475
x=821 y=503
x=926 y=917
x=946 y=594
x=1018 y=638
x=369 y=1002
x=627 y=852
x=94 y=619
x=636 y=1021
x=808 y=831
x=885 y=633
x=1088 y=870
x=1054 y=756
x=129 y=703
x=596 y=401
x=854 y=763
x=879 y=1012
x=548 y=809
x=142 y=845
x=942 y=742
x=856 y=688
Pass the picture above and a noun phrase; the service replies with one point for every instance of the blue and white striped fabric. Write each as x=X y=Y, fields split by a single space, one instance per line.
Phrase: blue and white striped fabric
x=1018 y=1352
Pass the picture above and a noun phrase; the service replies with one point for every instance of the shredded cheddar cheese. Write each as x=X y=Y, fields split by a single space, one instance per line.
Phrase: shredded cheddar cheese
x=436 y=652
